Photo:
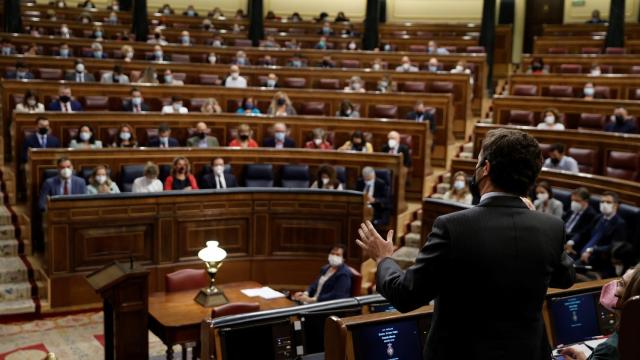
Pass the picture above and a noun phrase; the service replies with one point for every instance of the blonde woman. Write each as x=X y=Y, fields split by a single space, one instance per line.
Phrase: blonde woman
x=148 y=76
x=211 y=106
x=459 y=189
x=99 y=183
x=281 y=105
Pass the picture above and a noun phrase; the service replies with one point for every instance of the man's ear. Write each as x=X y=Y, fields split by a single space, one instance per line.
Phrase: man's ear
x=486 y=168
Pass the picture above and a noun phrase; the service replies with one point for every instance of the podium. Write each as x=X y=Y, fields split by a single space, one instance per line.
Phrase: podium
x=125 y=294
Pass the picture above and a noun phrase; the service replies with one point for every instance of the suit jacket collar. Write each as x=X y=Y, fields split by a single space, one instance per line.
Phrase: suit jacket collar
x=511 y=201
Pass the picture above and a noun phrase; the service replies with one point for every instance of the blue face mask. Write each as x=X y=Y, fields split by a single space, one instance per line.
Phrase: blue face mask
x=280 y=136
x=185 y=40
x=6 y=50
x=98 y=34
x=64 y=53
x=97 y=54
x=168 y=79
x=158 y=54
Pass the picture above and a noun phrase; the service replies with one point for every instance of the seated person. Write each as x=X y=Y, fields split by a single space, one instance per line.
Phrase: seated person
x=20 y=73
x=158 y=54
x=433 y=65
x=175 y=107
x=419 y=114
x=352 y=45
x=557 y=160
x=356 y=84
x=85 y=139
x=267 y=60
x=326 y=29
x=136 y=103
x=181 y=177
x=127 y=53
x=149 y=181
x=234 y=80
x=596 y=70
x=376 y=195
x=248 y=107
x=459 y=191
x=327 y=62
x=41 y=139
x=538 y=67
x=406 y=65
x=595 y=18
x=99 y=183
x=96 y=49
x=65 y=101
x=296 y=61
x=319 y=141
x=170 y=80
x=212 y=59
x=270 y=43
x=281 y=105
x=185 y=38
x=545 y=203
x=117 y=76
x=589 y=91
x=243 y=138
x=80 y=74
x=218 y=179
x=64 y=184
x=211 y=106
x=333 y=283
x=357 y=143
x=621 y=122
x=64 y=51
x=148 y=76
x=30 y=103
x=377 y=64
x=125 y=138
x=280 y=139
x=164 y=139
x=190 y=11
x=393 y=146
x=202 y=139
x=7 y=48
x=272 y=81
x=433 y=48
x=552 y=120
x=241 y=59
x=166 y=10
x=386 y=85
x=609 y=229
x=326 y=179
x=578 y=221
x=321 y=44
x=347 y=109
x=158 y=39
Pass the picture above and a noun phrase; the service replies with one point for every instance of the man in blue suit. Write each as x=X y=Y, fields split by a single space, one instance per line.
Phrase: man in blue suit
x=64 y=184
x=20 y=73
x=65 y=102
x=333 y=283
x=164 y=139
x=41 y=139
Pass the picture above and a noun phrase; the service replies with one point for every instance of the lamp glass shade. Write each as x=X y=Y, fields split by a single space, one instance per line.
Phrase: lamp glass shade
x=212 y=252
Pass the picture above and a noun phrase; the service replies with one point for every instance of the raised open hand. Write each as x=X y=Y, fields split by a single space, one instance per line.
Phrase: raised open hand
x=373 y=244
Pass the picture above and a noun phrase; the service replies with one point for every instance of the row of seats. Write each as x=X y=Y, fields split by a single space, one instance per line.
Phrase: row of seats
x=604 y=69
x=601 y=92
x=589 y=50
x=586 y=121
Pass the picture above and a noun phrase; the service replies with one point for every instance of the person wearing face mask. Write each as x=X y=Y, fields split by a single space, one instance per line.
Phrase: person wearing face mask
x=136 y=104
x=378 y=64
x=98 y=34
x=545 y=203
x=357 y=143
x=459 y=189
x=217 y=42
x=433 y=48
x=578 y=221
x=117 y=76
x=321 y=44
x=112 y=19
x=241 y=59
x=7 y=48
x=270 y=43
x=613 y=297
x=202 y=139
x=352 y=45
x=125 y=138
x=98 y=53
x=609 y=229
x=596 y=70
x=333 y=283
x=164 y=139
x=217 y=178
x=85 y=139
x=190 y=11
x=272 y=81
x=127 y=53
x=20 y=73
x=279 y=140
x=207 y=25
x=157 y=54
x=185 y=38
x=166 y=10
x=248 y=107
x=386 y=85
x=211 y=106
x=181 y=177
x=149 y=181
x=376 y=194
x=621 y=122
x=281 y=105
x=420 y=114
x=537 y=67
x=175 y=107
x=326 y=178
x=595 y=18
x=79 y=73
x=40 y=139
x=557 y=160
x=99 y=182
x=356 y=84
x=212 y=59
x=393 y=146
x=64 y=184
x=501 y=239
x=326 y=29
x=551 y=120
x=243 y=138
x=296 y=62
x=319 y=141
x=65 y=101
x=64 y=51
x=169 y=79
x=30 y=103
x=347 y=109
x=406 y=65
x=433 y=65
x=327 y=63
x=65 y=32
x=234 y=80
x=589 y=91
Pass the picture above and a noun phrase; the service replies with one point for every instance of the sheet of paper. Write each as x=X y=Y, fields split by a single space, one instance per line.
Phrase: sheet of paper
x=265 y=292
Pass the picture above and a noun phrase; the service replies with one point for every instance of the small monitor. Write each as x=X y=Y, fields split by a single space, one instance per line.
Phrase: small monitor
x=579 y=318
x=273 y=340
x=381 y=307
x=389 y=340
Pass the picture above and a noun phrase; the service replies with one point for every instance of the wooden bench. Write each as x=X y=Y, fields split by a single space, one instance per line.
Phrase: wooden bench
x=621 y=86
x=615 y=64
x=631 y=30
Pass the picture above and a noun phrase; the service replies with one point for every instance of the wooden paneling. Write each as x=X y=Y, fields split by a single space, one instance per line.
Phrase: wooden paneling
x=621 y=86
x=620 y=64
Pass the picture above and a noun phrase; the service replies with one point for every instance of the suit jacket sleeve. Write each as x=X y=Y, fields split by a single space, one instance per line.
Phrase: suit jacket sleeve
x=619 y=234
x=564 y=274
x=231 y=180
x=420 y=283
x=191 y=142
x=432 y=122
x=193 y=182
x=168 y=183
x=44 y=192
x=406 y=156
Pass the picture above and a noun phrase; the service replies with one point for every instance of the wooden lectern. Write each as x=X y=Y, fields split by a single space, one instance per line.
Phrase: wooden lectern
x=125 y=294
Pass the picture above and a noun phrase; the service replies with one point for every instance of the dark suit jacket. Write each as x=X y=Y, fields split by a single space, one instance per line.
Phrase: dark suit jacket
x=382 y=206
x=52 y=186
x=128 y=106
x=614 y=232
x=488 y=269
x=581 y=231
x=12 y=75
x=271 y=142
x=55 y=105
x=404 y=149
x=338 y=286
x=208 y=181
x=32 y=142
x=151 y=57
x=427 y=116
x=155 y=141
x=71 y=76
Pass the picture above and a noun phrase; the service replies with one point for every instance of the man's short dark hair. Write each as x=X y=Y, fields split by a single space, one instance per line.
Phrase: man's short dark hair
x=557 y=147
x=61 y=160
x=515 y=158
x=163 y=128
x=40 y=118
x=582 y=193
x=117 y=69
x=134 y=89
x=20 y=64
x=614 y=195
x=338 y=246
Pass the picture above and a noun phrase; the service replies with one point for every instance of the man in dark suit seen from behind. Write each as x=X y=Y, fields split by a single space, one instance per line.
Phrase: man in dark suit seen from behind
x=488 y=268
x=578 y=221
x=218 y=178
x=136 y=104
x=376 y=194
x=393 y=146
x=64 y=184
x=20 y=73
x=164 y=139
x=420 y=114
x=41 y=139
x=65 y=101
x=333 y=283
x=279 y=140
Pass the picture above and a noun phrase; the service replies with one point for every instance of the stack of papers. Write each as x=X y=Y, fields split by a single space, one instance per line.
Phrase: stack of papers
x=264 y=292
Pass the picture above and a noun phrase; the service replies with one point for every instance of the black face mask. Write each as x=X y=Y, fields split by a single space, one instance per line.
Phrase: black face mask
x=43 y=131
x=474 y=185
x=202 y=135
x=281 y=101
x=181 y=170
x=536 y=67
x=65 y=98
x=619 y=119
x=243 y=137
x=555 y=161
x=207 y=27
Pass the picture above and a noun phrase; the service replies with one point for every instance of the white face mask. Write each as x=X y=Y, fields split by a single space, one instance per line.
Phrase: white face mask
x=66 y=173
x=335 y=260
x=325 y=181
x=542 y=196
x=619 y=268
x=318 y=142
x=31 y=102
x=376 y=66
x=596 y=72
x=212 y=59
x=589 y=91
x=459 y=184
x=576 y=206
x=406 y=66
x=606 y=208
x=218 y=169
x=235 y=75
x=125 y=136
x=80 y=68
x=85 y=136
x=549 y=120
x=352 y=46
x=392 y=143
x=101 y=179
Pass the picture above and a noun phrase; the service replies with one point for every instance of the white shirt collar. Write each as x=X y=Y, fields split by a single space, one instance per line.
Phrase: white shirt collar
x=494 y=194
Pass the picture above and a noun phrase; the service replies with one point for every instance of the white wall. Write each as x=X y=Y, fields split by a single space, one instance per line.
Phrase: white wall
x=579 y=14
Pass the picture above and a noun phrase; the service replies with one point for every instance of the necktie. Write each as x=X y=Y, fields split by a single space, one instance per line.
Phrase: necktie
x=44 y=141
x=137 y=108
x=572 y=222
x=66 y=188
x=367 y=188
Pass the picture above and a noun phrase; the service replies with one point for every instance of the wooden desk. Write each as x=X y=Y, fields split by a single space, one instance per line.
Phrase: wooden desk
x=620 y=64
x=175 y=317
x=621 y=86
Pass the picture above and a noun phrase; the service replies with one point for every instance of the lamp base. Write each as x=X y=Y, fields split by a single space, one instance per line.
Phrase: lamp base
x=211 y=297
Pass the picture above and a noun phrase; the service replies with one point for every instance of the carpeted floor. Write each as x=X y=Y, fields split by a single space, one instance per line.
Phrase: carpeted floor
x=72 y=337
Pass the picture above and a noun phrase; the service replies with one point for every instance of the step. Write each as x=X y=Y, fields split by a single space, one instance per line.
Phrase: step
x=8 y=248
x=416 y=226
x=7 y=232
x=12 y=270
x=5 y=216
x=413 y=240
x=17 y=307
x=443 y=187
x=405 y=256
x=17 y=291
x=468 y=147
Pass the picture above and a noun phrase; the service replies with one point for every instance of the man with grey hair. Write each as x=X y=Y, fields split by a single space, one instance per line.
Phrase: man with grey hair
x=376 y=193
x=234 y=80
x=393 y=146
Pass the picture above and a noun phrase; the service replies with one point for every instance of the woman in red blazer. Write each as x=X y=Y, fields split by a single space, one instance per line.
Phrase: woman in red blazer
x=181 y=178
